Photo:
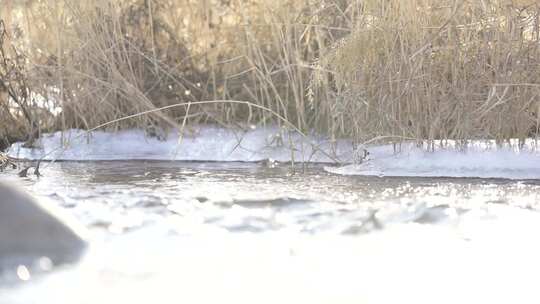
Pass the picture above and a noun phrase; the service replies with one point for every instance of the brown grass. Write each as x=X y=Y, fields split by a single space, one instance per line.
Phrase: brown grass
x=17 y=116
x=432 y=69
x=425 y=69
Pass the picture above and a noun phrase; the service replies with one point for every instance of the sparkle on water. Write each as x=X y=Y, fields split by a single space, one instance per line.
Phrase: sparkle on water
x=23 y=273
x=170 y=232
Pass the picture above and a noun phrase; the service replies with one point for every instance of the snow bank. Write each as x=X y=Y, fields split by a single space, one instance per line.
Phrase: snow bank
x=482 y=159
x=206 y=143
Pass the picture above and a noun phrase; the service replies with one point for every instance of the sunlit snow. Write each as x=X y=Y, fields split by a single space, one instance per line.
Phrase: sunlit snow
x=481 y=159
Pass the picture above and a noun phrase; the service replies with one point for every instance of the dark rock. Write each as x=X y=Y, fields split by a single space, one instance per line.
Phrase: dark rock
x=29 y=231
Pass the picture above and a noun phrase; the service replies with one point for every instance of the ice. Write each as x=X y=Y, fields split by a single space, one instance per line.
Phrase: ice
x=479 y=161
x=206 y=143
x=481 y=158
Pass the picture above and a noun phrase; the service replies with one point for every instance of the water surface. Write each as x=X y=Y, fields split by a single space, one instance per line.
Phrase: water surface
x=170 y=232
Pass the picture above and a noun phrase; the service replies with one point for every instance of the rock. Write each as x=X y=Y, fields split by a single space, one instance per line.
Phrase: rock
x=30 y=231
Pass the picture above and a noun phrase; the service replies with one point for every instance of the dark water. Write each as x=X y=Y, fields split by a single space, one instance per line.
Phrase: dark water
x=155 y=225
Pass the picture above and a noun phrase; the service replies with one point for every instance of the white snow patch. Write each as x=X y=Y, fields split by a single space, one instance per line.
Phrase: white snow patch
x=482 y=159
x=208 y=143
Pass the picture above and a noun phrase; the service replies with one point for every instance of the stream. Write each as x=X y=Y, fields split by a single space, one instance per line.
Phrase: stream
x=188 y=232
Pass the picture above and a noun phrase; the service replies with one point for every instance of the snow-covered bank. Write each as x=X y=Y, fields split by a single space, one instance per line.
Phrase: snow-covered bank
x=480 y=160
x=207 y=143
x=211 y=143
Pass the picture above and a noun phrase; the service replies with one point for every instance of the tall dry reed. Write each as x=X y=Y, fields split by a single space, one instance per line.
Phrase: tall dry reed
x=424 y=69
x=432 y=69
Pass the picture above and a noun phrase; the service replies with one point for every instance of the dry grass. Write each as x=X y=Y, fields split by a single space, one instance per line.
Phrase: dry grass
x=18 y=118
x=425 y=69
x=6 y=162
x=103 y=59
x=432 y=69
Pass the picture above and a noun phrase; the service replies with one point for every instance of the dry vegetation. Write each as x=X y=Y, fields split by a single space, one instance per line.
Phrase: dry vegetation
x=440 y=69
x=16 y=117
x=6 y=162
x=424 y=69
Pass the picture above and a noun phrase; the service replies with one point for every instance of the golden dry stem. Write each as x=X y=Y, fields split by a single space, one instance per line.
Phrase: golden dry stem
x=425 y=69
x=432 y=69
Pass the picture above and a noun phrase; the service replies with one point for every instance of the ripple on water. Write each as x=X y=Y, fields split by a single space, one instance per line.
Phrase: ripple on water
x=162 y=222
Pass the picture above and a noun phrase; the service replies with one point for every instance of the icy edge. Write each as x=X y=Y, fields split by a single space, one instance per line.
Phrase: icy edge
x=206 y=143
x=483 y=159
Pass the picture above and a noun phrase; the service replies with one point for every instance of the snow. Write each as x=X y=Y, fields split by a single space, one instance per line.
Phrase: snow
x=482 y=159
x=206 y=143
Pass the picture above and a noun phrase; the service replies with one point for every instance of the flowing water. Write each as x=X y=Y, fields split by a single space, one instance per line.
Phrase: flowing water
x=172 y=232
